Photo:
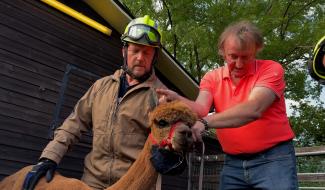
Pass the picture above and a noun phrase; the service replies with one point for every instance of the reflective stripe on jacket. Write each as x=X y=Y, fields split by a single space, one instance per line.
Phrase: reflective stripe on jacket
x=120 y=128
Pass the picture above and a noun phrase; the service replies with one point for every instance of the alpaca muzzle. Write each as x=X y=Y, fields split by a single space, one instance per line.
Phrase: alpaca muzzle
x=167 y=162
x=163 y=157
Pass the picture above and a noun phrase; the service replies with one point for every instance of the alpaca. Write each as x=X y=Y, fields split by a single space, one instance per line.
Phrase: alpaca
x=141 y=175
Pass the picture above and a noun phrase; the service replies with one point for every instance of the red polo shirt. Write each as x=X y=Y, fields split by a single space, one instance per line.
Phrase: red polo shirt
x=273 y=127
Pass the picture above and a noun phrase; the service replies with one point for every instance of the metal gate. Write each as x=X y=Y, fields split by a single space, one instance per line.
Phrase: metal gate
x=212 y=168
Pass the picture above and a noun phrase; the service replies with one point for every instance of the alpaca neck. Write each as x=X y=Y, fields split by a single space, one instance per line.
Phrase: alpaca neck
x=141 y=175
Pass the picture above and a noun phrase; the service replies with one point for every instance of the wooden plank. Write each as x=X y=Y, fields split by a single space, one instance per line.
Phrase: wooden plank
x=29 y=157
x=60 y=54
x=18 y=86
x=81 y=81
x=311 y=177
x=9 y=61
x=34 y=129
x=312 y=188
x=8 y=167
x=72 y=93
x=71 y=165
x=12 y=143
x=13 y=166
x=27 y=104
x=47 y=67
x=20 y=155
x=29 y=53
x=22 y=119
x=14 y=111
x=309 y=151
x=10 y=140
x=15 y=103
x=26 y=101
x=77 y=84
x=19 y=126
x=42 y=81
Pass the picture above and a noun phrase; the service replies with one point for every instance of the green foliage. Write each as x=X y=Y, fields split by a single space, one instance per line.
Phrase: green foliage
x=309 y=124
x=304 y=166
x=291 y=28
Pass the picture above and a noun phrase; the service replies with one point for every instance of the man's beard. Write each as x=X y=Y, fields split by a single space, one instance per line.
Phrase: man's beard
x=141 y=78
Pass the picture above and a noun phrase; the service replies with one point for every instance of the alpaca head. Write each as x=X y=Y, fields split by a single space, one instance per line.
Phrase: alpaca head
x=171 y=136
x=170 y=126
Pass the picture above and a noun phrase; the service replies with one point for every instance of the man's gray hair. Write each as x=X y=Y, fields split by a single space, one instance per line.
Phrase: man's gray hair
x=246 y=32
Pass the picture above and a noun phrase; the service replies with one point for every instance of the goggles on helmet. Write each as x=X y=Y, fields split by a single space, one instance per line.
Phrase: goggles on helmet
x=141 y=31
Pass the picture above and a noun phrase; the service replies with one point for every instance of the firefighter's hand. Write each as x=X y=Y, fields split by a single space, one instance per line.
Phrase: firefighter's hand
x=45 y=167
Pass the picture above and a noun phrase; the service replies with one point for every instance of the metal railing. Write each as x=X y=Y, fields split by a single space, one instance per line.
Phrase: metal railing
x=213 y=165
x=318 y=177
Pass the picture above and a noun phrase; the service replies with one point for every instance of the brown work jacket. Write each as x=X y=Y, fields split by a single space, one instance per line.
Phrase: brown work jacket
x=120 y=128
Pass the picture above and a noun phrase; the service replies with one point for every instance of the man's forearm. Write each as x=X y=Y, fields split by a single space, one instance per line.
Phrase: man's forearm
x=199 y=109
x=234 y=117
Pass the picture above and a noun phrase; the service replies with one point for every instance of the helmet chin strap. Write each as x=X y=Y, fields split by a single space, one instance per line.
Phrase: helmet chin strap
x=127 y=70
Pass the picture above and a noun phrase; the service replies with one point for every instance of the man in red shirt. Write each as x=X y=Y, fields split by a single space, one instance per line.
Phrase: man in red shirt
x=250 y=120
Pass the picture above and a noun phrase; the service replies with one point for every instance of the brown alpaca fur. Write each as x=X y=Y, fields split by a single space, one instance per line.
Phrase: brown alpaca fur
x=141 y=174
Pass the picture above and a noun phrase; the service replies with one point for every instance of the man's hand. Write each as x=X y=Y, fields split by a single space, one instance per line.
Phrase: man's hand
x=197 y=130
x=45 y=167
x=166 y=95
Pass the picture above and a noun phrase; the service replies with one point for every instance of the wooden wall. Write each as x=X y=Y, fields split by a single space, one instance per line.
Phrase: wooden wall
x=37 y=44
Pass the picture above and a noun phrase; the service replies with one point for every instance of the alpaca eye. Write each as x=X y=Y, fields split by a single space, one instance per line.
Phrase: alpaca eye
x=162 y=123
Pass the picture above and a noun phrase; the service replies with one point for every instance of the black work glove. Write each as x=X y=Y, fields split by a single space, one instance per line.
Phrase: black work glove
x=45 y=167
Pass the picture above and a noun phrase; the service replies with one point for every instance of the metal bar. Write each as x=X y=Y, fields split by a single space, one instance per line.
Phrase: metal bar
x=59 y=104
x=82 y=18
x=189 y=174
x=74 y=68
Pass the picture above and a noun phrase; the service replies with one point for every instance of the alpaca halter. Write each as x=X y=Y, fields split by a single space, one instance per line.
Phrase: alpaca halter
x=166 y=141
x=164 y=160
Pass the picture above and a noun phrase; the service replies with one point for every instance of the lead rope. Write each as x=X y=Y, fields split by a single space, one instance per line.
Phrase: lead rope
x=158 y=183
x=201 y=167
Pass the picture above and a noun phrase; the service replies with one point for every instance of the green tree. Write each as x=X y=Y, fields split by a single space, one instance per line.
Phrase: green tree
x=291 y=28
